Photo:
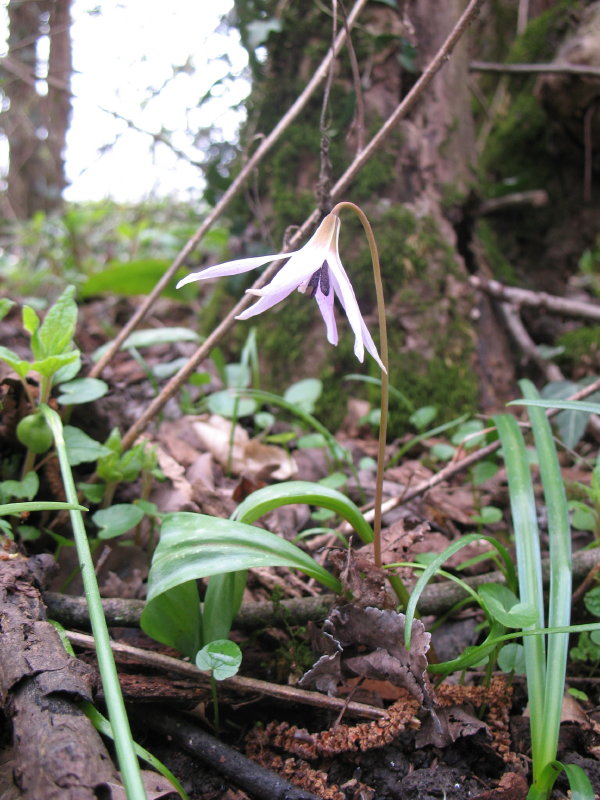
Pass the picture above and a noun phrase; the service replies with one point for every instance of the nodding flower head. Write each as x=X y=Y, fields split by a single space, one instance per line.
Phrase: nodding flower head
x=316 y=270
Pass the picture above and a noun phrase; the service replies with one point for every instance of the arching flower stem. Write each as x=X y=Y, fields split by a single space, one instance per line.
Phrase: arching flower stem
x=396 y=583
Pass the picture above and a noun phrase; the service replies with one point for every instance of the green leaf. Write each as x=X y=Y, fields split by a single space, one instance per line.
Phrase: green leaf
x=436 y=565
x=56 y=332
x=584 y=518
x=314 y=494
x=28 y=533
x=222 y=601
x=304 y=394
x=52 y=364
x=93 y=492
x=133 y=278
x=335 y=480
x=483 y=471
x=81 y=448
x=150 y=337
x=442 y=451
x=512 y=658
x=14 y=361
x=221 y=657
x=467 y=434
x=229 y=404
x=22 y=490
x=574 y=405
x=31 y=321
x=173 y=617
x=118 y=519
x=591 y=601
x=38 y=505
x=311 y=440
x=82 y=390
x=581 y=788
x=194 y=546
x=504 y=606
x=423 y=416
x=5 y=306
x=529 y=565
x=488 y=515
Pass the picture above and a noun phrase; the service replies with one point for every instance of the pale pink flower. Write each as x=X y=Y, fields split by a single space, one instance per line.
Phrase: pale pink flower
x=315 y=268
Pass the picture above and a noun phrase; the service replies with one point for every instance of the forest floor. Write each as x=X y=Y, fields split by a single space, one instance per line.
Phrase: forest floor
x=388 y=731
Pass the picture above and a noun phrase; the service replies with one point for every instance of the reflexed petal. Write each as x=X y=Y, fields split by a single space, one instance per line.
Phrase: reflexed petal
x=370 y=345
x=343 y=289
x=232 y=268
x=325 y=303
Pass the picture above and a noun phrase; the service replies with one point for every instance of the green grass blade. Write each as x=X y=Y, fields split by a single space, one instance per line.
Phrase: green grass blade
x=128 y=762
x=104 y=727
x=314 y=494
x=559 y=604
x=38 y=505
x=568 y=405
x=434 y=568
x=522 y=503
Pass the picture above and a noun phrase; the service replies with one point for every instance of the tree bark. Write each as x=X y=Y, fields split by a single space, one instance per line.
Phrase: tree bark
x=36 y=122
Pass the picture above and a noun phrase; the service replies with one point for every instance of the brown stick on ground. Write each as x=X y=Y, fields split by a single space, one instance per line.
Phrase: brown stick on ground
x=241 y=771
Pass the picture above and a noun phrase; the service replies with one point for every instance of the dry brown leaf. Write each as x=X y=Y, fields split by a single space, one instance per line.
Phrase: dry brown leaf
x=383 y=633
x=240 y=454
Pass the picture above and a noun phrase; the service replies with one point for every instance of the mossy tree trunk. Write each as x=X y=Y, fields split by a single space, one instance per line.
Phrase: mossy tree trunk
x=447 y=346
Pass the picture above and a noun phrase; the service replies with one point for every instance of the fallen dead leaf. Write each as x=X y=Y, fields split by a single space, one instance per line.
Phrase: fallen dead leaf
x=240 y=454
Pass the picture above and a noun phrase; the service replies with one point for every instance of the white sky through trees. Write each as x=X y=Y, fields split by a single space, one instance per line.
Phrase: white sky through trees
x=150 y=63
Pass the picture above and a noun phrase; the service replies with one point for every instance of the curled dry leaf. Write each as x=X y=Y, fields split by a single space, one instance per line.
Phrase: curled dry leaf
x=248 y=456
x=382 y=632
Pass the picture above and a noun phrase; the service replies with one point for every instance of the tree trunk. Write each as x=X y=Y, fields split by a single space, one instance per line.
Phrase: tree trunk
x=35 y=122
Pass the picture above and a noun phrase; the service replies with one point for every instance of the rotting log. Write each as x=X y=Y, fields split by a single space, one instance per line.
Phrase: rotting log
x=56 y=752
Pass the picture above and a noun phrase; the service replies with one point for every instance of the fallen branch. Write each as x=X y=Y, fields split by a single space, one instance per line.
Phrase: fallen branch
x=542 y=300
x=240 y=684
x=566 y=68
x=239 y=770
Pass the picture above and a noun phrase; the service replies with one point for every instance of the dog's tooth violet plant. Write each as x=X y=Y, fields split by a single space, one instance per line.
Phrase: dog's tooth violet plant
x=196 y=546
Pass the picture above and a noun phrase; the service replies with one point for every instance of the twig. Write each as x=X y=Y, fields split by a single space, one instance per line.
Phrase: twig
x=522 y=16
x=289 y=694
x=588 y=144
x=569 y=69
x=533 y=197
x=343 y=183
x=517 y=330
x=232 y=191
x=241 y=771
x=525 y=297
